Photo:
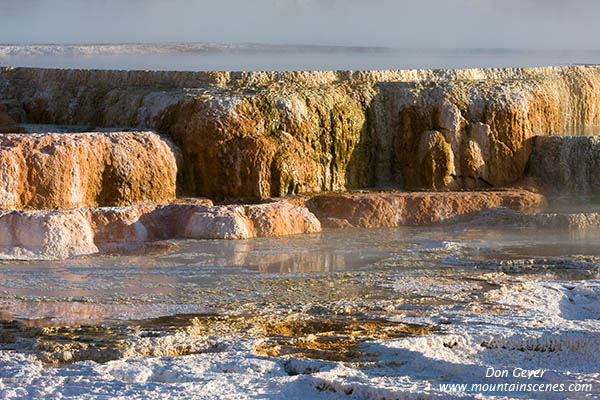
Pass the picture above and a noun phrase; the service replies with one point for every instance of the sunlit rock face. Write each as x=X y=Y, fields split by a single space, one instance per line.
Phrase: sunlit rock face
x=45 y=234
x=229 y=222
x=392 y=209
x=257 y=135
x=58 y=234
x=277 y=218
x=430 y=134
x=567 y=165
x=272 y=141
x=87 y=169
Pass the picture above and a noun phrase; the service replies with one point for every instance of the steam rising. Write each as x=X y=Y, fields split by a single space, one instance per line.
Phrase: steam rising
x=557 y=24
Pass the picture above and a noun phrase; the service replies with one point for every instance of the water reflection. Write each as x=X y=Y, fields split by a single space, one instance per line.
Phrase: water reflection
x=65 y=313
x=326 y=252
x=198 y=274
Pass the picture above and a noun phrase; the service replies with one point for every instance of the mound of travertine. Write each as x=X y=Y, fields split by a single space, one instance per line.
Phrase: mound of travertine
x=55 y=234
x=392 y=209
x=52 y=182
x=47 y=171
x=258 y=135
x=255 y=136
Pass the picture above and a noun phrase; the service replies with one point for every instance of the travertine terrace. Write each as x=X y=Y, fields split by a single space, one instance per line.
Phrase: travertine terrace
x=240 y=137
x=85 y=169
x=271 y=134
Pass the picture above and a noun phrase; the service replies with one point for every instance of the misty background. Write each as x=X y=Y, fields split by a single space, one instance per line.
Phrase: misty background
x=540 y=24
x=298 y=34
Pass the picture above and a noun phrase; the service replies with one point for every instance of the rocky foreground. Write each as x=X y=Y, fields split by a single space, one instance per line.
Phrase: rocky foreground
x=269 y=147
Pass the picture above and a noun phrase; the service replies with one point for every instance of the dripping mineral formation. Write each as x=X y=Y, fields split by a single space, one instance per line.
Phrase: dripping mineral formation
x=144 y=146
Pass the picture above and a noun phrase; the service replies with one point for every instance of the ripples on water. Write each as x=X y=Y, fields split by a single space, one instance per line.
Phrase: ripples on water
x=407 y=304
x=196 y=273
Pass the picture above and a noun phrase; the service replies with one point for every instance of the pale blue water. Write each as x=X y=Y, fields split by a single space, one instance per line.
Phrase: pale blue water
x=253 y=57
x=197 y=275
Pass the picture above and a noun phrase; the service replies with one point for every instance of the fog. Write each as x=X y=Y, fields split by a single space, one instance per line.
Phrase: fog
x=543 y=24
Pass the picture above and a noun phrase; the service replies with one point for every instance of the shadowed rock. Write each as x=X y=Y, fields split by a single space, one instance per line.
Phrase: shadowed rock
x=567 y=164
x=572 y=221
x=7 y=123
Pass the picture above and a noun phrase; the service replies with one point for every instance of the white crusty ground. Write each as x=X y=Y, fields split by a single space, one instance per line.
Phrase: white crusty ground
x=546 y=324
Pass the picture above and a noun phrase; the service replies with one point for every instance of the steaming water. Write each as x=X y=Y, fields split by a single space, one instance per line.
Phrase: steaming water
x=184 y=279
x=505 y=297
x=256 y=57
x=534 y=293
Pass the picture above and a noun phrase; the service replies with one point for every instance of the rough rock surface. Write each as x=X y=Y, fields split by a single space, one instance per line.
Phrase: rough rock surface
x=7 y=124
x=278 y=139
x=256 y=135
x=269 y=142
x=227 y=222
x=277 y=218
x=566 y=164
x=45 y=234
x=57 y=234
x=85 y=169
x=392 y=209
x=119 y=229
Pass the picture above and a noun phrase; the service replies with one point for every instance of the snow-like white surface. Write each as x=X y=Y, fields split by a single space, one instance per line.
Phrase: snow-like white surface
x=233 y=374
x=536 y=324
x=550 y=325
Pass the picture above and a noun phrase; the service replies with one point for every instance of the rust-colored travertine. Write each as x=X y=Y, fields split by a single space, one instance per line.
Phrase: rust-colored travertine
x=257 y=135
x=392 y=209
x=47 y=171
x=56 y=234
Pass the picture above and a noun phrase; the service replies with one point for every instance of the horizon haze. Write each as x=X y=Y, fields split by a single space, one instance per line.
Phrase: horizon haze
x=509 y=24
